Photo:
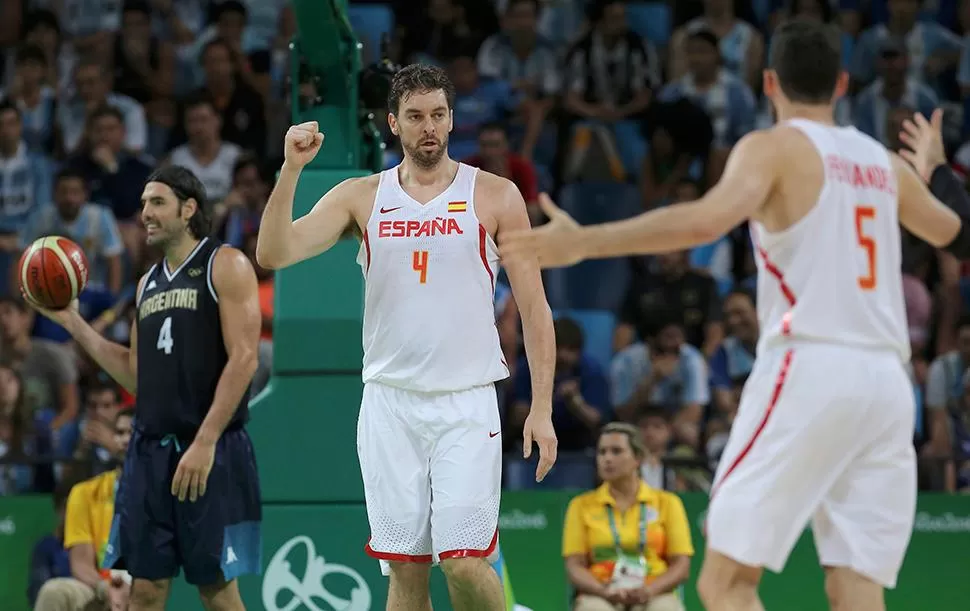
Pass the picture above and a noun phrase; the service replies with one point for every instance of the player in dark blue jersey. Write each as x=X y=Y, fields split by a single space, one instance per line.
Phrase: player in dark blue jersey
x=188 y=497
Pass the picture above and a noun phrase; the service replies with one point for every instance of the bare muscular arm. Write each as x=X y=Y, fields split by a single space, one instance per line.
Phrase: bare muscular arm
x=743 y=189
x=526 y=281
x=235 y=284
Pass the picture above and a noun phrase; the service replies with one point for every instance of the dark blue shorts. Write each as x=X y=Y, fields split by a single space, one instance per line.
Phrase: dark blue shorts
x=217 y=537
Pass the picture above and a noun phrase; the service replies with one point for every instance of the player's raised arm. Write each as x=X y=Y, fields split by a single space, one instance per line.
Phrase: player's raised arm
x=283 y=241
x=748 y=179
x=926 y=217
x=537 y=329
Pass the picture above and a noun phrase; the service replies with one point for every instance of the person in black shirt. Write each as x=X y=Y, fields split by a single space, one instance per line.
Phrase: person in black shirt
x=193 y=354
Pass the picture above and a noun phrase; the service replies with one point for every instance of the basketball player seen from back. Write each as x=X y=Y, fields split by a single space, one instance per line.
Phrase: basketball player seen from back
x=825 y=426
x=428 y=435
x=192 y=357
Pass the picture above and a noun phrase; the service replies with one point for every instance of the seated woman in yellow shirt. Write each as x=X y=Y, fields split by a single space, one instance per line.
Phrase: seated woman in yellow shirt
x=626 y=545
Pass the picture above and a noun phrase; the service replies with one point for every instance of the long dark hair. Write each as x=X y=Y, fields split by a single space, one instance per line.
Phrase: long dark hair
x=186 y=185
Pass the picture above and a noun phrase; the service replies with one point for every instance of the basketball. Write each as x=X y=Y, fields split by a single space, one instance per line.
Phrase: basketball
x=53 y=272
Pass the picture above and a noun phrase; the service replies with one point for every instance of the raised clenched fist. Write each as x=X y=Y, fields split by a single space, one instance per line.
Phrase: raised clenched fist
x=302 y=143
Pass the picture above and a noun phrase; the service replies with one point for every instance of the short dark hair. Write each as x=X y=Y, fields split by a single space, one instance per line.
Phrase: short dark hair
x=106 y=110
x=7 y=105
x=807 y=57
x=215 y=42
x=31 y=53
x=199 y=99
x=137 y=6
x=493 y=126
x=186 y=185
x=71 y=172
x=418 y=78
x=704 y=35
x=568 y=333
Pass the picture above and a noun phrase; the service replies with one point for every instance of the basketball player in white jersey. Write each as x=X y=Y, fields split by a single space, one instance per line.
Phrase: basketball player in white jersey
x=428 y=434
x=825 y=426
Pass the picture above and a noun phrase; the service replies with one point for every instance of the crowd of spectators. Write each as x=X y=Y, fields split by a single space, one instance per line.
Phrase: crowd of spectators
x=615 y=107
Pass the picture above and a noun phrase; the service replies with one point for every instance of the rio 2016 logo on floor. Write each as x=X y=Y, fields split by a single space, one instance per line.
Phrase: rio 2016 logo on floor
x=308 y=591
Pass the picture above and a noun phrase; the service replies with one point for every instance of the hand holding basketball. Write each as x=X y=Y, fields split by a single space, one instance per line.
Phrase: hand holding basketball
x=302 y=142
x=52 y=272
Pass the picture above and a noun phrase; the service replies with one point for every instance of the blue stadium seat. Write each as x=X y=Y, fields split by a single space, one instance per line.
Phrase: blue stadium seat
x=599 y=284
x=651 y=20
x=631 y=145
x=597 y=326
x=370 y=23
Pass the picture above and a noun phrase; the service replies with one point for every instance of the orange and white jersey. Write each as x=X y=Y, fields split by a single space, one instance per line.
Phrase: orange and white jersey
x=834 y=276
x=429 y=271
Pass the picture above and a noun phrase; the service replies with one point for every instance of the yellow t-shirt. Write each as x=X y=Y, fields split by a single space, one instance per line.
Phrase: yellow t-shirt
x=90 y=508
x=587 y=530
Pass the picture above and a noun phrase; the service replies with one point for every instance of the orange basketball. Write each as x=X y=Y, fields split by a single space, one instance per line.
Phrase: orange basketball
x=53 y=272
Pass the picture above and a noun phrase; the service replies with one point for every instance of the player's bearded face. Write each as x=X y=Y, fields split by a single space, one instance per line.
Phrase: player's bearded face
x=426 y=148
x=164 y=224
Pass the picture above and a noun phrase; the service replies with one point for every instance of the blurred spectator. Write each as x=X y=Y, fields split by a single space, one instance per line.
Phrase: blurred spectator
x=626 y=545
x=742 y=46
x=445 y=25
x=49 y=559
x=240 y=108
x=47 y=369
x=669 y=282
x=521 y=57
x=206 y=154
x=958 y=469
x=144 y=65
x=90 y=509
x=894 y=88
x=654 y=425
x=494 y=156
x=662 y=371
x=93 y=92
x=734 y=358
x=17 y=440
x=944 y=393
x=238 y=215
x=610 y=72
x=726 y=98
x=95 y=449
x=36 y=101
x=679 y=140
x=249 y=53
x=42 y=29
x=477 y=103
x=25 y=178
x=580 y=396
x=932 y=48
x=92 y=226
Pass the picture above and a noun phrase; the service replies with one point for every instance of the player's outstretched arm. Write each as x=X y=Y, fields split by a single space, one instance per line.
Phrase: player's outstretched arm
x=283 y=241
x=748 y=179
x=537 y=330
x=234 y=281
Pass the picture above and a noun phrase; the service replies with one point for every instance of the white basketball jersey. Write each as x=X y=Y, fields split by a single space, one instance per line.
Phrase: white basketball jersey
x=834 y=276
x=429 y=271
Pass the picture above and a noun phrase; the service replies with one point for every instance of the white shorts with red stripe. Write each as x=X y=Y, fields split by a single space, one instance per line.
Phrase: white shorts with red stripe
x=432 y=470
x=824 y=434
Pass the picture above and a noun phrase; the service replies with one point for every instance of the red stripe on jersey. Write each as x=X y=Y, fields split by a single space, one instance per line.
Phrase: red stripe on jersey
x=772 y=269
x=775 y=394
x=482 y=236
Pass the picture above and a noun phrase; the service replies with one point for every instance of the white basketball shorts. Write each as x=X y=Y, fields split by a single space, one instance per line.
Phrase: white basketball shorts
x=824 y=433
x=432 y=470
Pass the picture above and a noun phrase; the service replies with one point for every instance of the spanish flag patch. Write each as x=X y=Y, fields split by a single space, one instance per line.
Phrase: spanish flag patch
x=457 y=206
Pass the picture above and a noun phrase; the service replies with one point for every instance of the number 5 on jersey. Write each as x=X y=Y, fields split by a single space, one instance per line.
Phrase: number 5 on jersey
x=419 y=263
x=165 y=342
x=867 y=243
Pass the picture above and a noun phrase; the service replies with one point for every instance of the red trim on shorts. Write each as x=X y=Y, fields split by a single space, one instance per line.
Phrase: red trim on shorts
x=471 y=553
x=366 y=241
x=482 y=236
x=390 y=557
x=776 y=393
